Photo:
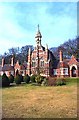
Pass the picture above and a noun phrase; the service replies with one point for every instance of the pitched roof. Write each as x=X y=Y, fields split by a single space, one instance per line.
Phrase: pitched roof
x=7 y=67
x=73 y=60
x=62 y=64
x=77 y=59
x=53 y=58
x=43 y=48
x=23 y=66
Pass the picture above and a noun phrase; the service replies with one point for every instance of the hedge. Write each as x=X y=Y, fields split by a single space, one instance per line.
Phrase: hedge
x=5 y=81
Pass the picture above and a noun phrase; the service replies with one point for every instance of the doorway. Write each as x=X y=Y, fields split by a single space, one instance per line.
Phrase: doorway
x=73 y=71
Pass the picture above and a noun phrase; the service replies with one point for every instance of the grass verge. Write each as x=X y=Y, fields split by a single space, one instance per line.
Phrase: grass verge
x=30 y=101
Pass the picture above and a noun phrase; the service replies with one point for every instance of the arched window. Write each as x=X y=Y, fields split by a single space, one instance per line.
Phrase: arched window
x=33 y=63
x=42 y=63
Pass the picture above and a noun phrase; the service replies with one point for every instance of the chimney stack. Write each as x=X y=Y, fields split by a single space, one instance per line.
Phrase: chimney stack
x=61 y=56
x=12 y=61
x=46 y=47
x=29 y=51
x=2 y=62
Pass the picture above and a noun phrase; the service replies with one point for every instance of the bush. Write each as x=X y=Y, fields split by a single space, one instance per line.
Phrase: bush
x=39 y=79
x=18 y=79
x=61 y=81
x=21 y=78
x=27 y=78
x=44 y=82
x=56 y=81
x=5 y=81
x=52 y=82
x=11 y=78
x=32 y=78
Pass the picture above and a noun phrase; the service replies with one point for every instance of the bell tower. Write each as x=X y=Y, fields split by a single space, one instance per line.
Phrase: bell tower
x=38 y=37
x=38 y=45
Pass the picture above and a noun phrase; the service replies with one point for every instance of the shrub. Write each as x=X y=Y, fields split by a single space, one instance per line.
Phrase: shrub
x=44 y=82
x=61 y=81
x=39 y=79
x=27 y=78
x=18 y=79
x=21 y=78
x=11 y=78
x=32 y=78
x=5 y=81
x=52 y=82
x=56 y=81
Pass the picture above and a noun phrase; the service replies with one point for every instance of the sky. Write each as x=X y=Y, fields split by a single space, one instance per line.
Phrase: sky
x=18 y=23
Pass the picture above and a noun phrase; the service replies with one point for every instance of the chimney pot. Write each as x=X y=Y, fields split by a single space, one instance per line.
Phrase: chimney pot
x=61 y=56
x=2 y=62
x=12 y=61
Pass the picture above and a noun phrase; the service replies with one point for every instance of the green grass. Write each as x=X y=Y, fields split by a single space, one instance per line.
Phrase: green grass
x=28 y=101
x=70 y=81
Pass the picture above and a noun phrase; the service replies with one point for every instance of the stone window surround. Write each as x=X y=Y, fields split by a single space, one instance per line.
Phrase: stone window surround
x=73 y=65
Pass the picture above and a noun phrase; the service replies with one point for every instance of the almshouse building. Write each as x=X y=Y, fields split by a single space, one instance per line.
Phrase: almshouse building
x=42 y=61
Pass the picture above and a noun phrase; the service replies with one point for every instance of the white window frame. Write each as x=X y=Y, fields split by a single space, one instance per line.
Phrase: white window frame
x=64 y=71
x=42 y=63
x=55 y=71
x=33 y=63
x=61 y=71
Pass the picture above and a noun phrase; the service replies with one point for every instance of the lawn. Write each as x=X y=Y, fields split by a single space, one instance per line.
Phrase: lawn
x=28 y=101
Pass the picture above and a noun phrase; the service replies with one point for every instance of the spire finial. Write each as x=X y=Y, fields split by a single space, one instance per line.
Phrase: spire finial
x=38 y=27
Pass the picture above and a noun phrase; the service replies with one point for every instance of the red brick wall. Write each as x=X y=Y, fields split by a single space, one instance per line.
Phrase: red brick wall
x=43 y=55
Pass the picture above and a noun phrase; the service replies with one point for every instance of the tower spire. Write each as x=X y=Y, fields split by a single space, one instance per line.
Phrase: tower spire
x=38 y=28
x=38 y=36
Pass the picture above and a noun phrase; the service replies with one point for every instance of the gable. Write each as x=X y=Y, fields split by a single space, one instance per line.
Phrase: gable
x=41 y=53
x=17 y=66
x=7 y=67
x=73 y=60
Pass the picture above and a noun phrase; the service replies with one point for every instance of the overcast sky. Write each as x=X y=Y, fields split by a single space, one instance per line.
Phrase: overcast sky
x=19 y=20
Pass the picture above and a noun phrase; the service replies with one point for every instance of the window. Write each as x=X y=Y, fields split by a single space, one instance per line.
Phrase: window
x=33 y=64
x=23 y=73
x=42 y=63
x=66 y=71
x=55 y=72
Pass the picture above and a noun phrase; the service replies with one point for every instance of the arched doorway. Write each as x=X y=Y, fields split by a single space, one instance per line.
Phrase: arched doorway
x=73 y=71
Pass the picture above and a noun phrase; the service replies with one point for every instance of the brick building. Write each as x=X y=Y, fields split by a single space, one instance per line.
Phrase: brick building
x=67 y=67
x=41 y=60
x=13 y=68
